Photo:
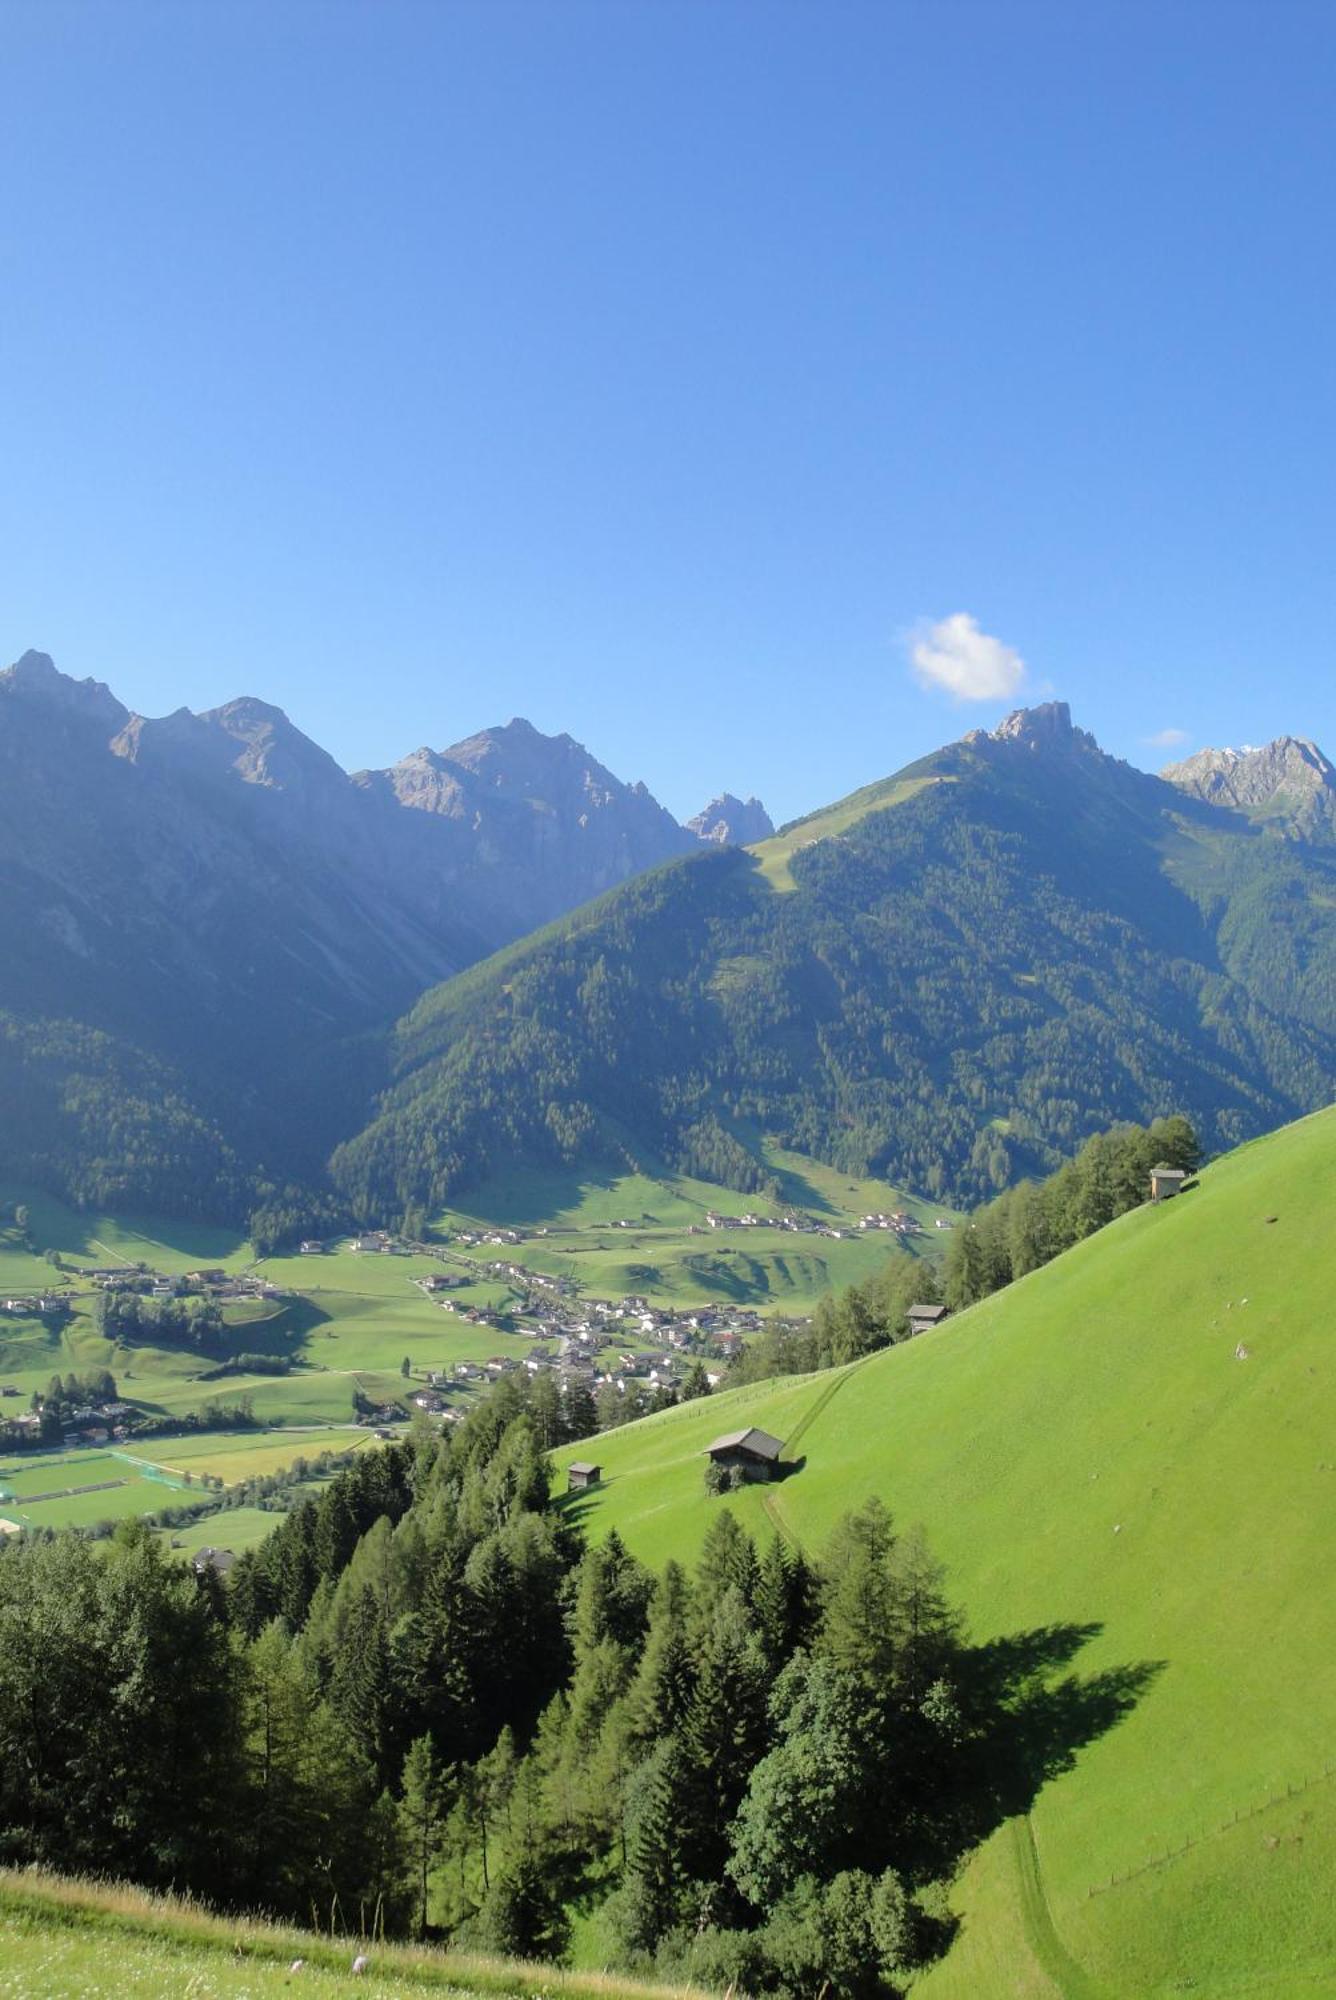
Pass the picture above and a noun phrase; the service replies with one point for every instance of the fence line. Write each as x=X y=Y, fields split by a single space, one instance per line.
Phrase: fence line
x=1239 y=1818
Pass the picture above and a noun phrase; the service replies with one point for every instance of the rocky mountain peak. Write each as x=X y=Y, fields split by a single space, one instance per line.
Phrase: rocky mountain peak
x=729 y=821
x=1287 y=781
x=270 y=749
x=1047 y=726
x=35 y=678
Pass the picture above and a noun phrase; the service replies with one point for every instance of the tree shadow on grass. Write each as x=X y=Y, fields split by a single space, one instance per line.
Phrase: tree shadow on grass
x=1027 y=1717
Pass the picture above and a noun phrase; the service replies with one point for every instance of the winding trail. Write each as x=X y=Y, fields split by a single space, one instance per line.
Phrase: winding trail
x=770 y=1499
x=1072 y=1980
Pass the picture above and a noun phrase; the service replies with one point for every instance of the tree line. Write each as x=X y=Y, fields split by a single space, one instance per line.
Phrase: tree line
x=424 y=1706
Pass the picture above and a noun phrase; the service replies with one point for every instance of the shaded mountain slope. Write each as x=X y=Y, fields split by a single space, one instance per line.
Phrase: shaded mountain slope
x=210 y=901
x=1134 y=1444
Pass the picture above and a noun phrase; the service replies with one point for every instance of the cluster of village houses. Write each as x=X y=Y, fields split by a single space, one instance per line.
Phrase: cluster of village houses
x=900 y=1222
x=624 y=1343
x=627 y=1343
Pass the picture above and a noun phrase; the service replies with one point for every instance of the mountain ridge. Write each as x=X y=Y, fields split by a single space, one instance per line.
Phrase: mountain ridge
x=209 y=901
x=1016 y=942
x=1287 y=783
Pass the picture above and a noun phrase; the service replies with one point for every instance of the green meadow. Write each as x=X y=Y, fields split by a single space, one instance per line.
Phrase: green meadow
x=614 y=1234
x=76 y=1489
x=72 y=1940
x=1136 y=1444
x=89 y=1241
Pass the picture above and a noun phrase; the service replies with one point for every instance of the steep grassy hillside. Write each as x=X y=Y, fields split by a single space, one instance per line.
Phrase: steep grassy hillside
x=62 y=1940
x=1138 y=1441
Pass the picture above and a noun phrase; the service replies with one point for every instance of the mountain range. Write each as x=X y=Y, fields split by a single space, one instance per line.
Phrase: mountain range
x=201 y=908
x=229 y=962
x=948 y=980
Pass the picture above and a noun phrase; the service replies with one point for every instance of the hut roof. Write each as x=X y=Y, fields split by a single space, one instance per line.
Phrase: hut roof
x=759 y=1444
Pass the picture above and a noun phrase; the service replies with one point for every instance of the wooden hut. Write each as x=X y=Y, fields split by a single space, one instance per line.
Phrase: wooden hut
x=753 y=1454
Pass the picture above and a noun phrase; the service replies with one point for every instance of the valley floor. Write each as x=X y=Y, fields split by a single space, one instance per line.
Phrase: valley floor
x=345 y=1321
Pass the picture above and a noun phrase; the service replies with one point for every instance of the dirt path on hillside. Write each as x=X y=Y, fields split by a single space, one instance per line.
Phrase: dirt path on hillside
x=1071 y=1979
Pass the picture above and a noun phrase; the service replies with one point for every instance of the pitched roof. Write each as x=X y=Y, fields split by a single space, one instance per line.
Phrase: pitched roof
x=759 y=1443
x=583 y=1465
x=934 y=1313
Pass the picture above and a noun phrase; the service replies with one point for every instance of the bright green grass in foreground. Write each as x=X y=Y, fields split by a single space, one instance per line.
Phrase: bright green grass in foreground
x=1141 y=1438
x=92 y=1941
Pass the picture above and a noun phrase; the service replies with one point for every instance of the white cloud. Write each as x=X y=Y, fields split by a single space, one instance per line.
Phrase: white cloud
x=1165 y=739
x=971 y=665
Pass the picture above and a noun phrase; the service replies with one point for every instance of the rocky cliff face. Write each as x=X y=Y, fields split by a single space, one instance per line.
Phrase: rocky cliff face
x=732 y=822
x=527 y=824
x=1288 y=782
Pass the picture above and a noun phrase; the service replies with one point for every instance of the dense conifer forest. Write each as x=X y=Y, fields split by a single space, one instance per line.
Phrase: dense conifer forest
x=425 y=1707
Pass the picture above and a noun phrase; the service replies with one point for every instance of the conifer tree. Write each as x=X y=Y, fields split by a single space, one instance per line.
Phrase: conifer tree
x=422 y=1821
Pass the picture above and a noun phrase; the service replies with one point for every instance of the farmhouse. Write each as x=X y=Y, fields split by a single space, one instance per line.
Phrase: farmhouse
x=581 y=1476
x=1165 y=1182
x=753 y=1453
x=922 y=1318
x=219 y=1561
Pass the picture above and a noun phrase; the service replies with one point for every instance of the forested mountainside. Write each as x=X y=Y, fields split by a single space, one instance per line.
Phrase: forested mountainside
x=949 y=981
x=203 y=913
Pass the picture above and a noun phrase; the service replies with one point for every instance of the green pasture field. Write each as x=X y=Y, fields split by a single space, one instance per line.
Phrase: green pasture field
x=233 y=1456
x=1137 y=1444
x=20 y=1270
x=770 y=1269
x=77 y=1489
x=363 y=1274
x=776 y=854
x=94 y=1240
x=235 y=1528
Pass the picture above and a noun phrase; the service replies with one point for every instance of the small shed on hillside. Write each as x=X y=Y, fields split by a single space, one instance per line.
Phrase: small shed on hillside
x=752 y=1453
x=1165 y=1182
x=922 y=1318
x=580 y=1476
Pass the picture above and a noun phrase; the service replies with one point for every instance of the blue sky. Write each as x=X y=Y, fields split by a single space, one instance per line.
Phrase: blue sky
x=665 y=370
